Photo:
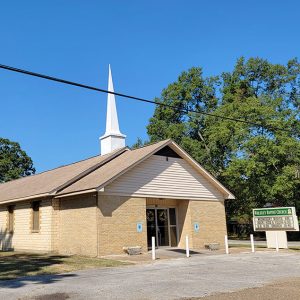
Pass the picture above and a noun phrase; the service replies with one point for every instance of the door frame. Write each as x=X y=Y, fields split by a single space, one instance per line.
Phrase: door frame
x=156 y=207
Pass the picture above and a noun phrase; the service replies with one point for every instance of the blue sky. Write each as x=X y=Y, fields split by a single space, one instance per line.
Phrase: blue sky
x=147 y=43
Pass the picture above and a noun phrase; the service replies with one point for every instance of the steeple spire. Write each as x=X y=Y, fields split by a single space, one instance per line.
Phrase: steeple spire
x=112 y=139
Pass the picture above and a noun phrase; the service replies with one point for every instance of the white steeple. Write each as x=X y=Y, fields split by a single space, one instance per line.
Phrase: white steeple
x=112 y=139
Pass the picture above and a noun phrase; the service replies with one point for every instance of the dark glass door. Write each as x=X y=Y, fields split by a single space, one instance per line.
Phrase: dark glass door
x=162 y=227
x=173 y=227
x=161 y=223
x=151 y=225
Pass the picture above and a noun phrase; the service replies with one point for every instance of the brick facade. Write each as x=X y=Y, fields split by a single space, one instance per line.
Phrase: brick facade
x=23 y=238
x=210 y=215
x=77 y=225
x=118 y=218
x=212 y=221
x=100 y=225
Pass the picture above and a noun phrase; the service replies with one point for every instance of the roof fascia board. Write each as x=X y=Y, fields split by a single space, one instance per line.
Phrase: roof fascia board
x=25 y=198
x=75 y=193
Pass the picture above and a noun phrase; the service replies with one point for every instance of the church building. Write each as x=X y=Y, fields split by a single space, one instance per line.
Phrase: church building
x=121 y=198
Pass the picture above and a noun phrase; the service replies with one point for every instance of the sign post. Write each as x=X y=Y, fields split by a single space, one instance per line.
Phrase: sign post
x=252 y=243
x=153 y=248
x=226 y=244
x=277 y=244
x=187 y=247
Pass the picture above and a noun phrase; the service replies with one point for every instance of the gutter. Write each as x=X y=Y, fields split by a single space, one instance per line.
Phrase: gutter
x=75 y=193
x=26 y=198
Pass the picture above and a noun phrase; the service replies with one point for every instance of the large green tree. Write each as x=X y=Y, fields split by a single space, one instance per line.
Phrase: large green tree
x=14 y=162
x=259 y=164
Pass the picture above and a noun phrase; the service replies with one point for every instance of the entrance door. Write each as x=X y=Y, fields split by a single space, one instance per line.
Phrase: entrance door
x=162 y=227
x=151 y=225
x=161 y=223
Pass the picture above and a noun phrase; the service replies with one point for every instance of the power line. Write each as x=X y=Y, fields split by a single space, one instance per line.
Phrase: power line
x=138 y=99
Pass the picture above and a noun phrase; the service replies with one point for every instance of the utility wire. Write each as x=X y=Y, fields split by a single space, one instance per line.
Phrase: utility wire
x=138 y=99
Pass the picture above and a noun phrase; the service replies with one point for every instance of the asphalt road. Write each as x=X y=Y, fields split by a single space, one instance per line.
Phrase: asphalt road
x=197 y=276
x=260 y=243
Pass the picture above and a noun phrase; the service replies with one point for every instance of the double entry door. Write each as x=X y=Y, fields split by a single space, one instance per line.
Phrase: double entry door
x=161 y=223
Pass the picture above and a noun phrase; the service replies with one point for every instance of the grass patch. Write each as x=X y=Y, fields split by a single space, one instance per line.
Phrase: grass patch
x=295 y=248
x=14 y=264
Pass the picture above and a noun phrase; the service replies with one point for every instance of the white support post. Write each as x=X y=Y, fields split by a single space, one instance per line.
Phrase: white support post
x=276 y=239
x=252 y=243
x=187 y=248
x=226 y=244
x=153 y=248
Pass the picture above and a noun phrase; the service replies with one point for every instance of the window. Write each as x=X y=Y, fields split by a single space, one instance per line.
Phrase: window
x=36 y=216
x=10 y=223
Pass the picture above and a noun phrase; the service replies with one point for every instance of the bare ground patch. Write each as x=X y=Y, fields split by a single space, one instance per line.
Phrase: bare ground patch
x=279 y=290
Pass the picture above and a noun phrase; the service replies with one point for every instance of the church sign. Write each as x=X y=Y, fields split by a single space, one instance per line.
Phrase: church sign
x=277 y=218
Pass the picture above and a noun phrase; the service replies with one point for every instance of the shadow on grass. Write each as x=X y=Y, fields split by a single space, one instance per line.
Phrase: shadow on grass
x=17 y=269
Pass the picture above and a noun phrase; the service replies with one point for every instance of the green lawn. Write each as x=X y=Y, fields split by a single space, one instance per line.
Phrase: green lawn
x=14 y=264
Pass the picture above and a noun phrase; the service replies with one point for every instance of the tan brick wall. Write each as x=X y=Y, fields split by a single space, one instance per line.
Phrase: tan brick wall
x=117 y=219
x=161 y=202
x=23 y=238
x=77 y=225
x=184 y=223
x=5 y=236
x=211 y=217
x=209 y=214
x=55 y=225
x=81 y=225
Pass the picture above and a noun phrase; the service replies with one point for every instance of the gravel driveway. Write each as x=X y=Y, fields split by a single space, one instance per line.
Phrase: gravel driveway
x=197 y=276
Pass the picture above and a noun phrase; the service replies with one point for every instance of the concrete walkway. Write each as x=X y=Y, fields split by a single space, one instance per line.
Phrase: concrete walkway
x=197 y=276
x=162 y=254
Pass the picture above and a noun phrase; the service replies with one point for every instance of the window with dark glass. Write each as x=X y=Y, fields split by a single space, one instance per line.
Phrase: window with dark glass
x=36 y=216
x=10 y=223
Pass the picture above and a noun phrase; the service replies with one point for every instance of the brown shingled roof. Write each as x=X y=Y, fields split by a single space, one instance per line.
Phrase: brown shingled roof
x=50 y=181
x=115 y=167
x=91 y=174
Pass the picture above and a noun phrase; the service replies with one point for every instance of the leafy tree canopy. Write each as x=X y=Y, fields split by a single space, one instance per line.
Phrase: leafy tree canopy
x=259 y=164
x=14 y=162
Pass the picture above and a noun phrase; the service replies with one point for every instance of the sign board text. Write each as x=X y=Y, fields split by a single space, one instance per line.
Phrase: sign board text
x=277 y=218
